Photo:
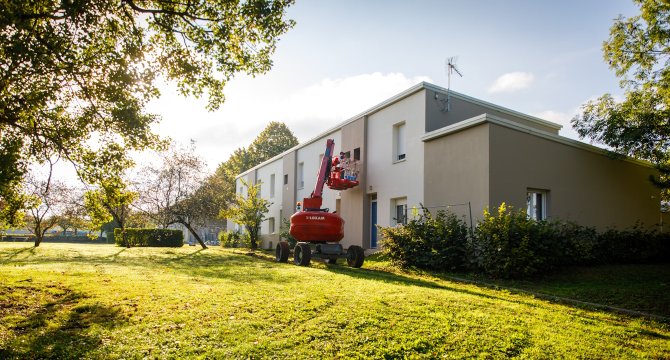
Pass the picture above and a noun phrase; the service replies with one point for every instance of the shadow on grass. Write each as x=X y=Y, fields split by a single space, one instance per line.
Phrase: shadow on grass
x=56 y=327
x=397 y=279
x=18 y=252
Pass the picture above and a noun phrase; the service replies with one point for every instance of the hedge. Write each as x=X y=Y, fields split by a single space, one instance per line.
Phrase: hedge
x=150 y=238
x=508 y=244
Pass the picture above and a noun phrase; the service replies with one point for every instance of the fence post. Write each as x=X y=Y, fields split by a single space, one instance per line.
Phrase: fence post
x=470 y=210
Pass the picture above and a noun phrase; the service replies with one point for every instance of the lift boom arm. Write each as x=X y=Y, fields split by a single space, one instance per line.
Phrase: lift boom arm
x=315 y=199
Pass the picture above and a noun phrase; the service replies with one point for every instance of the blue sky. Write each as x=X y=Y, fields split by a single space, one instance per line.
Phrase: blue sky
x=539 y=57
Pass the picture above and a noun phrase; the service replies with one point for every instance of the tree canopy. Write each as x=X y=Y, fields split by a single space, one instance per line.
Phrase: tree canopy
x=272 y=141
x=75 y=75
x=638 y=50
x=249 y=211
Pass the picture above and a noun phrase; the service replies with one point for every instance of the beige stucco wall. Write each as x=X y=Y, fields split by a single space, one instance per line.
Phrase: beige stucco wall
x=586 y=187
x=457 y=171
x=461 y=109
x=353 y=201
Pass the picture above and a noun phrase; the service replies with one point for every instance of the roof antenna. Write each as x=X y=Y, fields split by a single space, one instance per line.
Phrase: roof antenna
x=451 y=67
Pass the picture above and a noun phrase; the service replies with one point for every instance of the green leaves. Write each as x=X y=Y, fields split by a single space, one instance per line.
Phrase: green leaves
x=638 y=50
x=249 y=211
x=76 y=75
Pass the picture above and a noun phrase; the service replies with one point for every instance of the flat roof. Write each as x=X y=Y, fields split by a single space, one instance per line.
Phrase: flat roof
x=396 y=98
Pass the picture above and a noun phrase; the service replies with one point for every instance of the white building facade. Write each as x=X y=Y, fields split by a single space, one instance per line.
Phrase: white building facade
x=427 y=147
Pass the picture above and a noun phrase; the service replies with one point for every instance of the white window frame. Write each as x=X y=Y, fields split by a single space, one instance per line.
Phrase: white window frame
x=536 y=204
x=399 y=206
x=399 y=142
x=272 y=185
x=271 y=225
x=301 y=175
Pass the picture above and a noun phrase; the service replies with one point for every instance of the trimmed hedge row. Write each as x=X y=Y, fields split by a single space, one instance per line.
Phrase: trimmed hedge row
x=509 y=244
x=150 y=238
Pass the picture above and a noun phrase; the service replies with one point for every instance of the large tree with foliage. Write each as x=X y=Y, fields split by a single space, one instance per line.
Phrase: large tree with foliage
x=638 y=50
x=272 y=141
x=110 y=202
x=80 y=72
x=173 y=191
x=249 y=211
x=46 y=197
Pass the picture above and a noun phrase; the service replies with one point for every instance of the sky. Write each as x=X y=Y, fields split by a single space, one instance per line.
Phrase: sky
x=539 y=57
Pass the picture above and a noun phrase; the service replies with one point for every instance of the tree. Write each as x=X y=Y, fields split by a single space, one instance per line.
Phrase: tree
x=44 y=197
x=110 y=202
x=173 y=191
x=75 y=76
x=72 y=214
x=249 y=212
x=638 y=50
x=272 y=141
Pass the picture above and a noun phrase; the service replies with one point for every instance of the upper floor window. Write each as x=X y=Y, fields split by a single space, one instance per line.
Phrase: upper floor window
x=399 y=145
x=272 y=185
x=301 y=178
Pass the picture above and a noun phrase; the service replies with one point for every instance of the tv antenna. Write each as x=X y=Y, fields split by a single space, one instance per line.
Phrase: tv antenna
x=450 y=64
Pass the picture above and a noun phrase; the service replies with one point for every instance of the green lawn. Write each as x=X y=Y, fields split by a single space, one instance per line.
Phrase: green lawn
x=99 y=301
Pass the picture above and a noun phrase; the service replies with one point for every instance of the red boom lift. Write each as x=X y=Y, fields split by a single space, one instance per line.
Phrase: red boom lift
x=317 y=230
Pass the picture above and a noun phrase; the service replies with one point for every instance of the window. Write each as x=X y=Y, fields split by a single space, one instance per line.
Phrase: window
x=536 y=204
x=357 y=153
x=271 y=225
x=399 y=208
x=301 y=178
x=399 y=142
x=285 y=179
x=272 y=185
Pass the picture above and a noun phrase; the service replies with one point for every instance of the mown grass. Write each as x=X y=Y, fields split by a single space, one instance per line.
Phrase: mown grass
x=641 y=288
x=81 y=301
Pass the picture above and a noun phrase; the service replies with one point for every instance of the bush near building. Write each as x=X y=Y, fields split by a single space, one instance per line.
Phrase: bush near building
x=508 y=244
x=150 y=238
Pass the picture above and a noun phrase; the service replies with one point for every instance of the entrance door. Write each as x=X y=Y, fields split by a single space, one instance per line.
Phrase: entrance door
x=373 y=224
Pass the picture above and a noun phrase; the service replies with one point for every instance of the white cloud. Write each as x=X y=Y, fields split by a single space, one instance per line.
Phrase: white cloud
x=252 y=103
x=511 y=82
x=561 y=118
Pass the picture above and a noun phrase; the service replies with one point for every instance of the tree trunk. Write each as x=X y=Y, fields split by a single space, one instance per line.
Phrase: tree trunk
x=197 y=237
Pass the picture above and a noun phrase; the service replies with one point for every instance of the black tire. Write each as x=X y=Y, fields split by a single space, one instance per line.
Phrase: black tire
x=302 y=254
x=355 y=256
x=281 y=254
x=331 y=261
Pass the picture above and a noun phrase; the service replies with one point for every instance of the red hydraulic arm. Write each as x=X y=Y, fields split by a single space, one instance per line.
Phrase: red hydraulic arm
x=315 y=200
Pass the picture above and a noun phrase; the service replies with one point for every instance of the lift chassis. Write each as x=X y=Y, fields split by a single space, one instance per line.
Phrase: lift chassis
x=304 y=252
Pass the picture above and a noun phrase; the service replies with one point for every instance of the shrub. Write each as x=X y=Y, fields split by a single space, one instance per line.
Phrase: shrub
x=509 y=244
x=635 y=245
x=284 y=233
x=230 y=239
x=576 y=244
x=150 y=237
x=430 y=242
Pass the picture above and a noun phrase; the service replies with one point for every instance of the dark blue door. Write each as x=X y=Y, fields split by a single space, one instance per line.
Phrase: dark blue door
x=373 y=224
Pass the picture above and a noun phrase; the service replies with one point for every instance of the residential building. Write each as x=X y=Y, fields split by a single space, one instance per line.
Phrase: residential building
x=444 y=150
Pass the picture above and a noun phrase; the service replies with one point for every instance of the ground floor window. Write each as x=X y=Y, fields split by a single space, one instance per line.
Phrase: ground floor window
x=536 y=204
x=399 y=209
